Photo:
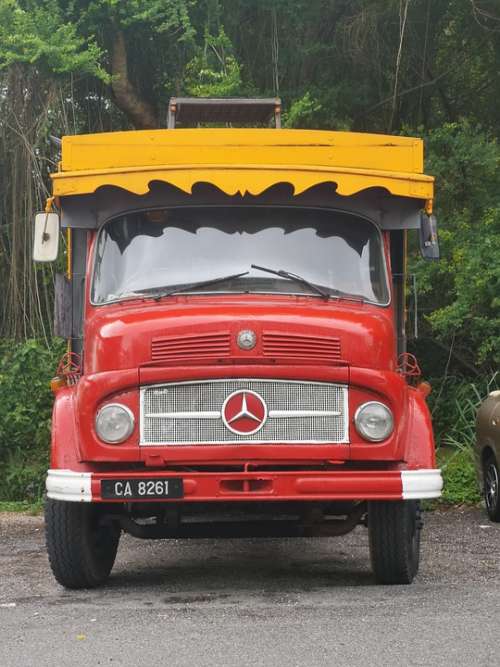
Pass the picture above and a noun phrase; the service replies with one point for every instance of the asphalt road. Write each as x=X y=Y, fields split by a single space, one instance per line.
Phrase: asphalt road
x=256 y=602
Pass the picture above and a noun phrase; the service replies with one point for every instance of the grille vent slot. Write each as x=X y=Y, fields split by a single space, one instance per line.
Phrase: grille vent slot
x=292 y=346
x=186 y=348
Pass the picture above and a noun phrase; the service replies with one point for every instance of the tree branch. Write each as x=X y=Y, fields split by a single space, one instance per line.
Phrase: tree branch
x=455 y=354
x=140 y=112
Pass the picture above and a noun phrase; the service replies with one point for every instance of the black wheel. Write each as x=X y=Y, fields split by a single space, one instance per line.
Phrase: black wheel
x=394 y=532
x=81 y=550
x=491 y=477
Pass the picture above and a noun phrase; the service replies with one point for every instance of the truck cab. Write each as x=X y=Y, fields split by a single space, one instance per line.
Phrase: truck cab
x=234 y=305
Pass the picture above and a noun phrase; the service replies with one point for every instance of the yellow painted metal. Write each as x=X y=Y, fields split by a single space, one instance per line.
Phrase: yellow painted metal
x=237 y=160
x=69 y=274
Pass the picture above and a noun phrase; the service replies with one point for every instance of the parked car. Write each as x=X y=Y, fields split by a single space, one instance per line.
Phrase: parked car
x=487 y=453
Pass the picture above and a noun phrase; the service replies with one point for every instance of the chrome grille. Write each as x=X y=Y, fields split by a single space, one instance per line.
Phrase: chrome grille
x=190 y=412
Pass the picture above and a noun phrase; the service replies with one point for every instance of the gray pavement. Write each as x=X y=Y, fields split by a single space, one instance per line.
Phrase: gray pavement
x=256 y=602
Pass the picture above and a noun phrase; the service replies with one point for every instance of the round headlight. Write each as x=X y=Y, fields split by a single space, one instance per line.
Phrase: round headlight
x=114 y=423
x=374 y=421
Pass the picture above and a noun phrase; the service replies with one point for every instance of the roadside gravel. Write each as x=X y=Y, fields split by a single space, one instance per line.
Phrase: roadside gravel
x=256 y=602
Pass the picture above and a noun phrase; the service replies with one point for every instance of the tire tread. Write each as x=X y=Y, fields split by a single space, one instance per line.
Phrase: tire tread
x=493 y=514
x=390 y=531
x=71 y=558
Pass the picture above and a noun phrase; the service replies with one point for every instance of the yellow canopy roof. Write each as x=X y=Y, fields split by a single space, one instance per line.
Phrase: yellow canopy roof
x=242 y=160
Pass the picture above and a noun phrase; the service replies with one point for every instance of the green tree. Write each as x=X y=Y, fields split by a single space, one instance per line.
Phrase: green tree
x=461 y=293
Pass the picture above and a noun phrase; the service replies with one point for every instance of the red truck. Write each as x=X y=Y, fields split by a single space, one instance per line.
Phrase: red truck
x=234 y=305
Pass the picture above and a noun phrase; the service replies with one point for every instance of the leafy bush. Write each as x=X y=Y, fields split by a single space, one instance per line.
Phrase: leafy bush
x=25 y=413
x=460 y=294
x=460 y=485
x=454 y=404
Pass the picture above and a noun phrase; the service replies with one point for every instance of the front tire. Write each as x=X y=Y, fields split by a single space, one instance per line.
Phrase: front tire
x=81 y=550
x=394 y=532
x=491 y=477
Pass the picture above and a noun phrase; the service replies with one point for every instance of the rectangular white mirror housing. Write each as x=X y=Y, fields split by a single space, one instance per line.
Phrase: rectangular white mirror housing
x=46 y=241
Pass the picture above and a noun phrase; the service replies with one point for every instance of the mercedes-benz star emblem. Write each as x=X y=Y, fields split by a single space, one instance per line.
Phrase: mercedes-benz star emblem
x=246 y=339
x=244 y=412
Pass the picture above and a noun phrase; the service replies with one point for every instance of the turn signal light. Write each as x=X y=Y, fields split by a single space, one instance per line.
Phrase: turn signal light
x=424 y=388
x=58 y=383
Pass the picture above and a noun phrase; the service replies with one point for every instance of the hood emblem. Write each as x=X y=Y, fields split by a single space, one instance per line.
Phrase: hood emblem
x=246 y=339
x=244 y=412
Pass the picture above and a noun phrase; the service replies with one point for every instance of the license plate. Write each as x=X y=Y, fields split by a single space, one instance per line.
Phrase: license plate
x=141 y=489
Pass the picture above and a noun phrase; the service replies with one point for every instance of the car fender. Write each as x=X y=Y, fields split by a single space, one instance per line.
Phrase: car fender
x=487 y=432
x=65 y=449
x=419 y=446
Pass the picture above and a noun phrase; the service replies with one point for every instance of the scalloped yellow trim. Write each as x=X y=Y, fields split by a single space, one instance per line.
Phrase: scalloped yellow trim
x=253 y=179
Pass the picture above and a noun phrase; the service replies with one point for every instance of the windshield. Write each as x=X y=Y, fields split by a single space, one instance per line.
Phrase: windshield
x=177 y=248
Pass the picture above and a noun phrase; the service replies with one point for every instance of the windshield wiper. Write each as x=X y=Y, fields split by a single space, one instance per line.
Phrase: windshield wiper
x=160 y=292
x=157 y=292
x=293 y=276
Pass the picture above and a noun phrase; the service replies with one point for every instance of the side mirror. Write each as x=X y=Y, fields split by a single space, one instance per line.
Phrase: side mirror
x=46 y=241
x=429 y=244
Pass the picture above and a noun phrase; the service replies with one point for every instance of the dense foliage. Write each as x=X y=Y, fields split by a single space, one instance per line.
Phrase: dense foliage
x=25 y=411
x=424 y=67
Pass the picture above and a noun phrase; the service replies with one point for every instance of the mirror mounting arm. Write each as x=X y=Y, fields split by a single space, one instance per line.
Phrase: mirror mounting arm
x=49 y=204
x=429 y=244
